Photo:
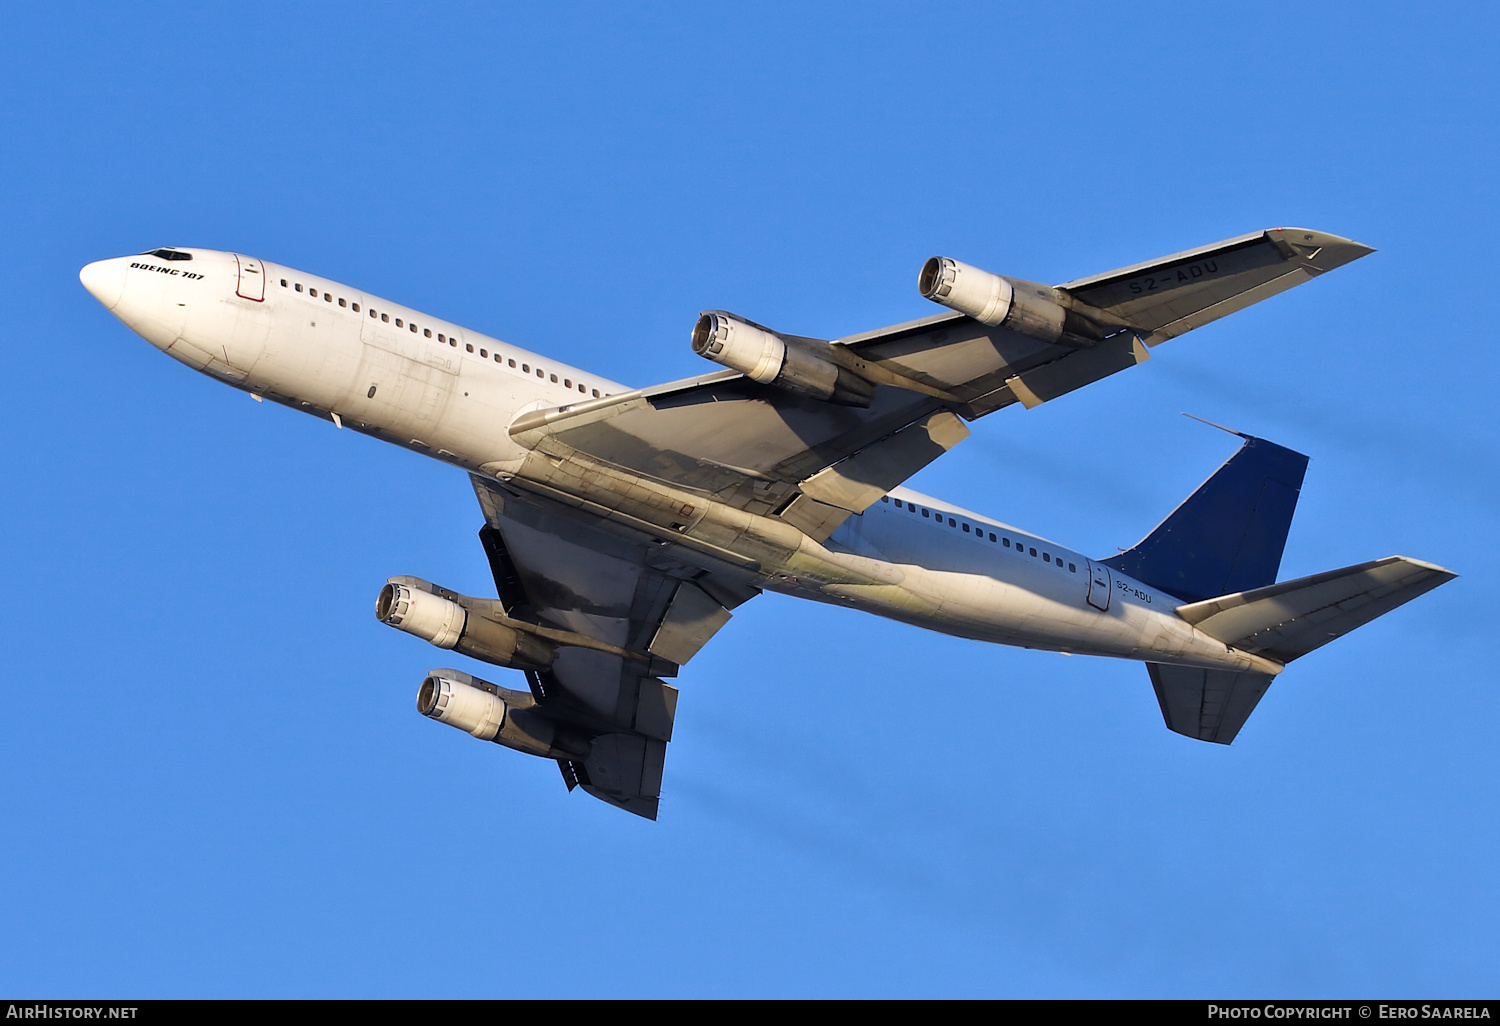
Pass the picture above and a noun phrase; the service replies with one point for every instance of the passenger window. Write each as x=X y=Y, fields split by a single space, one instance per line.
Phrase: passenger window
x=512 y=363
x=442 y=337
x=469 y=347
x=885 y=498
x=1005 y=542
x=1033 y=552
x=925 y=513
x=298 y=286
x=484 y=353
x=992 y=536
x=567 y=382
x=1046 y=557
x=356 y=308
x=582 y=389
x=554 y=379
x=951 y=523
x=541 y=373
x=427 y=333
x=966 y=529
x=453 y=342
x=283 y=283
x=384 y=317
x=525 y=368
x=398 y=323
x=497 y=358
x=413 y=328
x=1072 y=569
x=596 y=393
x=328 y=297
x=313 y=293
x=342 y=302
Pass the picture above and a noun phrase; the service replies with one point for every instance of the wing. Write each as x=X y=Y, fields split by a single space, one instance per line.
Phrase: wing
x=813 y=463
x=1187 y=290
x=556 y=568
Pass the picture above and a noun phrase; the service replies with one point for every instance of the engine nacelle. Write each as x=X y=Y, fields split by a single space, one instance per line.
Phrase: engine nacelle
x=991 y=299
x=797 y=365
x=448 y=624
x=461 y=705
x=492 y=713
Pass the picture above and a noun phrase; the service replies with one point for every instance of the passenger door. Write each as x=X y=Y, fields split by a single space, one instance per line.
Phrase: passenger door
x=251 y=281
x=1100 y=585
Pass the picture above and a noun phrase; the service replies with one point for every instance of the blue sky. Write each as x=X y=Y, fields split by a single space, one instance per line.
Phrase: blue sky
x=217 y=784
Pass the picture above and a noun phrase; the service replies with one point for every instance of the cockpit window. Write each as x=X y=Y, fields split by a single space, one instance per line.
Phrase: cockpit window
x=170 y=254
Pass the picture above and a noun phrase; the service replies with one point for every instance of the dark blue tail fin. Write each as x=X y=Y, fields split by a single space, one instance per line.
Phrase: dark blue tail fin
x=1227 y=536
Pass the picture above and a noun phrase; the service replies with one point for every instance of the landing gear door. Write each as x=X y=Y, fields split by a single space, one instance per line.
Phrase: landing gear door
x=252 y=279
x=1099 y=586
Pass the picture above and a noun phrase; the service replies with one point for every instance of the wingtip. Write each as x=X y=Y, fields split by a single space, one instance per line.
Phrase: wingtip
x=1323 y=250
x=1442 y=571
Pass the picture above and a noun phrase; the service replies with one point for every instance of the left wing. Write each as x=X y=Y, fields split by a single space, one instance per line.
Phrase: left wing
x=557 y=569
x=772 y=451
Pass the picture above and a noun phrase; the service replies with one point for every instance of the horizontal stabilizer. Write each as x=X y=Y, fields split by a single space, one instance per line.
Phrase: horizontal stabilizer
x=1287 y=620
x=1210 y=705
x=1229 y=534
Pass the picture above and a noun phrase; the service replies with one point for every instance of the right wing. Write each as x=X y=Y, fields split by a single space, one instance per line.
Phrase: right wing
x=813 y=463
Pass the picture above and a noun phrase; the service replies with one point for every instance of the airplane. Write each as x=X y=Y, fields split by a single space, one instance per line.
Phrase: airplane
x=623 y=525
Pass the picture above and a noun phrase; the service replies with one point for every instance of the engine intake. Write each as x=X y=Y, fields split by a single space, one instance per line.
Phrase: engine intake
x=807 y=366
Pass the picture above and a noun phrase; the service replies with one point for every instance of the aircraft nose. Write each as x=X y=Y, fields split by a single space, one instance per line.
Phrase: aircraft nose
x=105 y=279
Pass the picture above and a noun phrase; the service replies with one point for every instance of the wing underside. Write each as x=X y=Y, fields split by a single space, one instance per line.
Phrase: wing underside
x=553 y=568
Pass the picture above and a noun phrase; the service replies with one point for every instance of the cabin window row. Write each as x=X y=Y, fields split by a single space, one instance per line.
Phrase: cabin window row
x=442 y=338
x=979 y=533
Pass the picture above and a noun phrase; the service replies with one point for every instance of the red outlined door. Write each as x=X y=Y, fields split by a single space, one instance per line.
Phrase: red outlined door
x=252 y=279
x=1099 y=586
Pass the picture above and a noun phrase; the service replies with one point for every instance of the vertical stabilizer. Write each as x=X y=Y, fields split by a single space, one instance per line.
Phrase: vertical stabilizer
x=1228 y=535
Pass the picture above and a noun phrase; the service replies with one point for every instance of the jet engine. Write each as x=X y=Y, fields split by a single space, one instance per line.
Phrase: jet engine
x=991 y=299
x=492 y=713
x=447 y=624
x=807 y=366
x=1025 y=307
x=480 y=712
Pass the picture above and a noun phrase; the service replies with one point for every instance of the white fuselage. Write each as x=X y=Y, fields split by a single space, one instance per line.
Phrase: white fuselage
x=435 y=387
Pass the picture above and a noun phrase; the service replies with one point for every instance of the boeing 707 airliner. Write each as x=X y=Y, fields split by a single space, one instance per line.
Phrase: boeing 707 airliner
x=623 y=525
